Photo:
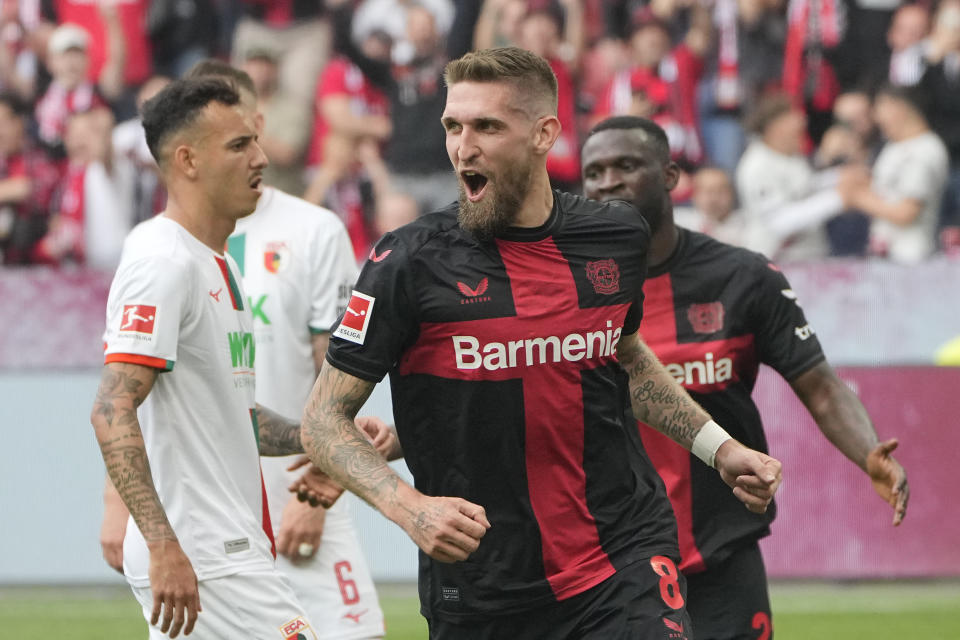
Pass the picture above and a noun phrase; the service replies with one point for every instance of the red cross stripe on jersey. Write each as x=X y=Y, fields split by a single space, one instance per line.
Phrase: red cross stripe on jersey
x=686 y=360
x=547 y=305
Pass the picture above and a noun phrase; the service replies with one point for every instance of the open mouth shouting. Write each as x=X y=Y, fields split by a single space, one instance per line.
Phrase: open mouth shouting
x=475 y=185
x=256 y=183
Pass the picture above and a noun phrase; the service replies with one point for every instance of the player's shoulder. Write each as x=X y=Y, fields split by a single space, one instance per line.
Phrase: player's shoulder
x=158 y=238
x=157 y=248
x=722 y=257
x=439 y=225
x=295 y=217
x=581 y=211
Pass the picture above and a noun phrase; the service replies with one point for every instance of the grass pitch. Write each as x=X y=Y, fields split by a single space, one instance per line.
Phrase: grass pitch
x=928 y=610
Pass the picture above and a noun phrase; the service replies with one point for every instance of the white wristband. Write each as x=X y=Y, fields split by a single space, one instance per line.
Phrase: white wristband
x=708 y=441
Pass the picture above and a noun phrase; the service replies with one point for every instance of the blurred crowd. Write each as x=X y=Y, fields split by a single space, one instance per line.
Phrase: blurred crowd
x=804 y=128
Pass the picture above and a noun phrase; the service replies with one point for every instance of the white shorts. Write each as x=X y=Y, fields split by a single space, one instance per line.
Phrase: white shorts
x=335 y=586
x=253 y=604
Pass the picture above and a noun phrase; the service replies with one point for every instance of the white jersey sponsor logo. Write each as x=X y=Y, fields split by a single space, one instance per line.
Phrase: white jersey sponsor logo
x=529 y=352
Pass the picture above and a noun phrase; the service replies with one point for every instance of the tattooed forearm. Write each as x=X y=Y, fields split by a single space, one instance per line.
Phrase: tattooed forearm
x=279 y=436
x=656 y=398
x=337 y=446
x=123 y=388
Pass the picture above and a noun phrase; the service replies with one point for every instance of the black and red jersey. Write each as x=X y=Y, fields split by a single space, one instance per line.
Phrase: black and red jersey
x=506 y=392
x=713 y=313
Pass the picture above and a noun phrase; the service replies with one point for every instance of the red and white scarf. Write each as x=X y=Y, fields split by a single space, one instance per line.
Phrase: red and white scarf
x=812 y=27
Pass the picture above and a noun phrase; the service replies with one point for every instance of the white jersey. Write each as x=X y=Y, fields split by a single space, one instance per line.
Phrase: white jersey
x=297 y=264
x=178 y=306
x=298 y=268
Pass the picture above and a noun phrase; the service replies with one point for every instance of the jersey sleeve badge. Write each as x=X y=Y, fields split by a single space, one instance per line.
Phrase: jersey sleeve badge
x=138 y=318
x=356 y=318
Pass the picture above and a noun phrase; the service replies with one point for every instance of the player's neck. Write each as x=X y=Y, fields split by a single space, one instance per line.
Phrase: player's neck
x=201 y=222
x=664 y=242
x=537 y=205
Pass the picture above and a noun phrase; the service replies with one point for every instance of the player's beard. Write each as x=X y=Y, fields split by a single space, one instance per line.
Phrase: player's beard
x=499 y=208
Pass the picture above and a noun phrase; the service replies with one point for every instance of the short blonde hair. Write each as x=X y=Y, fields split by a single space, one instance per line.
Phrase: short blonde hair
x=531 y=75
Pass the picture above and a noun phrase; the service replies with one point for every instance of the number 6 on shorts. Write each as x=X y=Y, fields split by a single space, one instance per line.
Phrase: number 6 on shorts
x=669 y=584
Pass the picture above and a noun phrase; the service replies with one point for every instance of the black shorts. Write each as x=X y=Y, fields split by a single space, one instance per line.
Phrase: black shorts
x=643 y=601
x=730 y=601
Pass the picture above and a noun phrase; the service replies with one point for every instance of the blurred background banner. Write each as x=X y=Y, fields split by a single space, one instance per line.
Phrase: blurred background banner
x=52 y=319
x=864 y=312
x=830 y=523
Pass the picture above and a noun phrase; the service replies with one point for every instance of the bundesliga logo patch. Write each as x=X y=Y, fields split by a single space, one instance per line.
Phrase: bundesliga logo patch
x=353 y=326
x=138 y=318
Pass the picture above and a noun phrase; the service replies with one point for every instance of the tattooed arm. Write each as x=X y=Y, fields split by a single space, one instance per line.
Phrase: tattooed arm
x=659 y=402
x=279 y=436
x=446 y=529
x=123 y=388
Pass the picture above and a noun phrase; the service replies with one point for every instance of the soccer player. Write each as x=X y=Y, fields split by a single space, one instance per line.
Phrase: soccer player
x=298 y=266
x=713 y=313
x=175 y=415
x=508 y=322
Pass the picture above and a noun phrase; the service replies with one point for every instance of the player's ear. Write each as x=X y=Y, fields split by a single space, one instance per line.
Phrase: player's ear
x=546 y=131
x=184 y=158
x=671 y=175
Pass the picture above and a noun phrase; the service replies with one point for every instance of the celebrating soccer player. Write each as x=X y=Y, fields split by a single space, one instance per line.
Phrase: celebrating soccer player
x=508 y=324
x=713 y=313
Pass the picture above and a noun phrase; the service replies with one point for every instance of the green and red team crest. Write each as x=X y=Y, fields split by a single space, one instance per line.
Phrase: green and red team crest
x=276 y=256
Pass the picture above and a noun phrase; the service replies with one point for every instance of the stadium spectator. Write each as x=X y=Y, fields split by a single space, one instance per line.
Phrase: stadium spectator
x=784 y=203
x=540 y=34
x=394 y=209
x=94 y=207
x=25 y=27
x=713 y=211
x=909 y=177
x=130 y=144
x=182 y=33
x=349 y=112
x=714 y=313
x=583 y=533
x=815 y=29
x=296 y=33
x=941 y=84
x=171 y=412
x=286 y=130
x=119 y=48
x=854 y=109
x=416 y=93
x=499 y=22
x=906 y=38
x=843 y=147
x=69 y=91
x=666 y=76
x=392 y=17
x=745 y=59
x=27 y=180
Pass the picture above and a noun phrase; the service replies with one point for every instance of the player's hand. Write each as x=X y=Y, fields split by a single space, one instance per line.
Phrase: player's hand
x=446 y=529
x=889 y=478
x=754 y=476
x=112 y=531
x=314 y=486
x=301 y=527
x=379 y=433
x=176 y=594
